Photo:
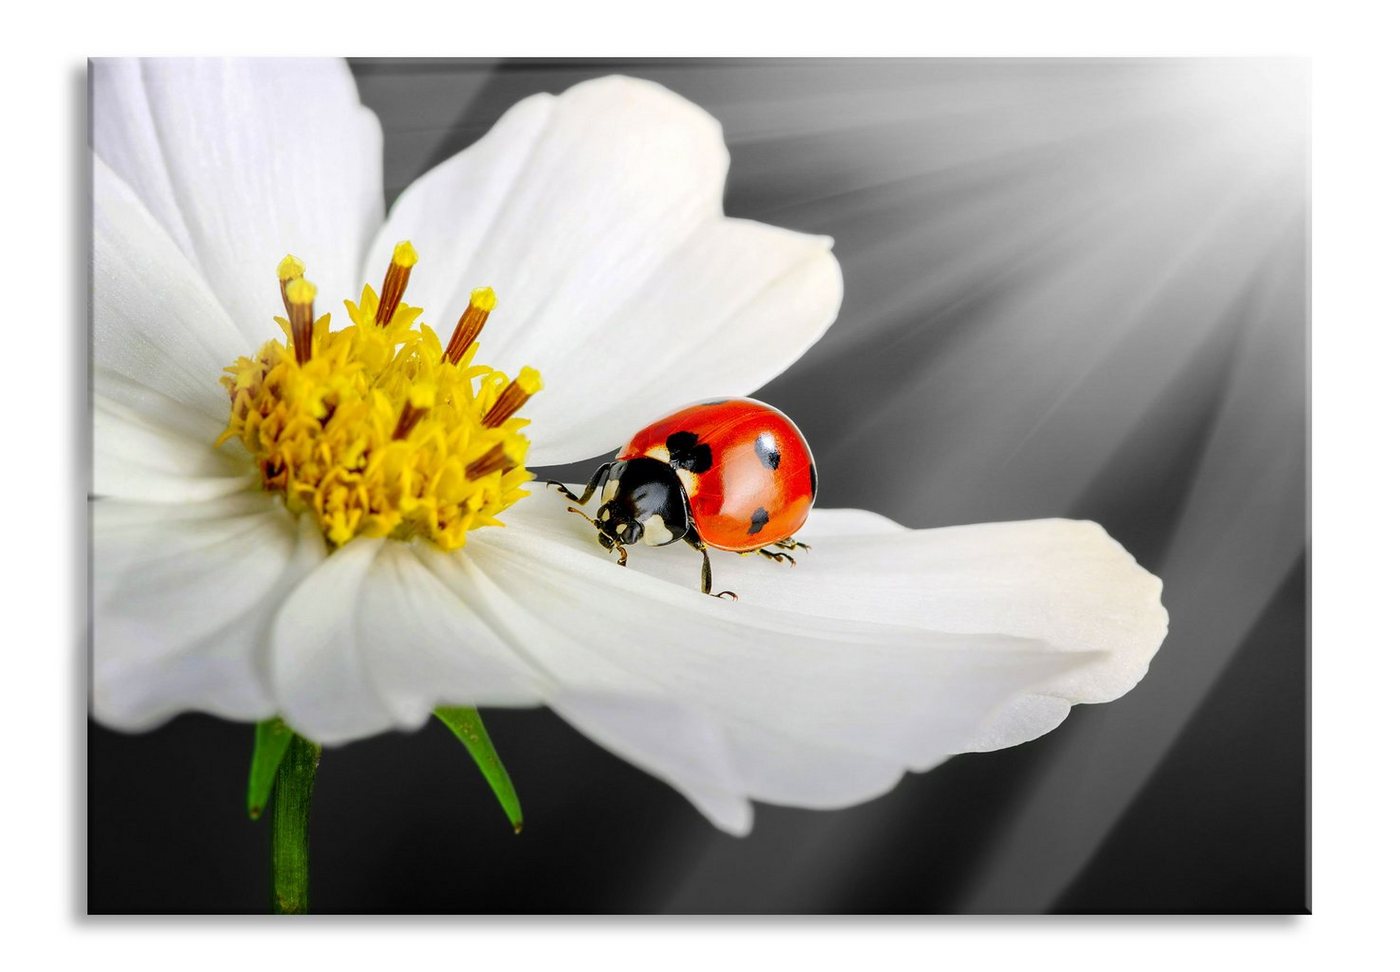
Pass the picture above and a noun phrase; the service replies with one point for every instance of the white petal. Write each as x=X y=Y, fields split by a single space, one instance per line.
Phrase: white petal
x=597 y=218
x=125 y=138
x=374 y=640
x=730 y=310
x=243 y=161
x=1065 y=584
x=183 y=599
x=160 y=338
x=137 y=459
x=425 y=647
x=784 y=707
x=322 y=685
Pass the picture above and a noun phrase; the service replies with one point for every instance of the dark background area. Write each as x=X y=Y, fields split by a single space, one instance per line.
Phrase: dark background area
x=1072 y=288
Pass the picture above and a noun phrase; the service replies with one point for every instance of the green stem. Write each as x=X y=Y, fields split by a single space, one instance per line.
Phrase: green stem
x=291 y=811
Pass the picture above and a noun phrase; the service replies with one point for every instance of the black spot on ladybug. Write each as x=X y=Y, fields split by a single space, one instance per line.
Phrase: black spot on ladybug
x=687 y=452
x=758 y=521
x=767 y=448
x=812 y=471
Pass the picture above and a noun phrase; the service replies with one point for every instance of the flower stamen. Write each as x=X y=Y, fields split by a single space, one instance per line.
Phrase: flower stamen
x=408 y=418
x=512 y=397
x=374 y=430
x=420 y=401
x=288 y=270
x=395 y=281
x=493 y=460
x=300 y=297
x=469 y=325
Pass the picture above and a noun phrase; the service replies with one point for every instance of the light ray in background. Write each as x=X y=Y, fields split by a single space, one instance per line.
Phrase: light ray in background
x=1233 y=545
x=1073 y=288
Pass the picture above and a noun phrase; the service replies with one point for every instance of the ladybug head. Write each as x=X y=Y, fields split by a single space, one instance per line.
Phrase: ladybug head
x=618 y=527
x=643 y=501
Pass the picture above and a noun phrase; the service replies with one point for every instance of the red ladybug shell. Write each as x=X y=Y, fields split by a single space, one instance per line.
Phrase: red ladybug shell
x=746 y=469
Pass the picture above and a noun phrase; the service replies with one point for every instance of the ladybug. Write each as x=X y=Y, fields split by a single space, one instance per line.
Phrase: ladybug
x=733 y=474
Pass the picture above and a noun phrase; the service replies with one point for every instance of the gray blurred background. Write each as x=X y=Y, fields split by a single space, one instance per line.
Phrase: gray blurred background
x=1073 y=288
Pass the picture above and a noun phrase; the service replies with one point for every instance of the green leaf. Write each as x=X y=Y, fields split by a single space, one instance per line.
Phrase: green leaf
x=467 y=726
x=270 y=741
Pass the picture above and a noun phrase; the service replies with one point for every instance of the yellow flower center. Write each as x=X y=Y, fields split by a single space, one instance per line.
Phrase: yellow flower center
x=377 y=430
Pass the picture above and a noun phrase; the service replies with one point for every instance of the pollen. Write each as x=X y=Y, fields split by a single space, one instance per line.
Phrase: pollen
x=375 y=429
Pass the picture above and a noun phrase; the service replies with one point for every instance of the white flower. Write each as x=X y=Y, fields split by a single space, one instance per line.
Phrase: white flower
x=596 y=216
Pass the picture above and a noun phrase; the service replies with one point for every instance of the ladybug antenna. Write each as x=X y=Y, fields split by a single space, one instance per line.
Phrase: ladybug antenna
x=575 y=509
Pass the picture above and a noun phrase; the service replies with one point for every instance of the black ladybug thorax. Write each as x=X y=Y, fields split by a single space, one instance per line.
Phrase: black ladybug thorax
x=643 y=501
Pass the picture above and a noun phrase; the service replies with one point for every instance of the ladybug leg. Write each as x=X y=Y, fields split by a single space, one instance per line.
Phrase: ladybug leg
x=706 y=577
x=779 y=557
x=598 y=479
x=785 y=544
x=608 y=544
x=563 y=489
